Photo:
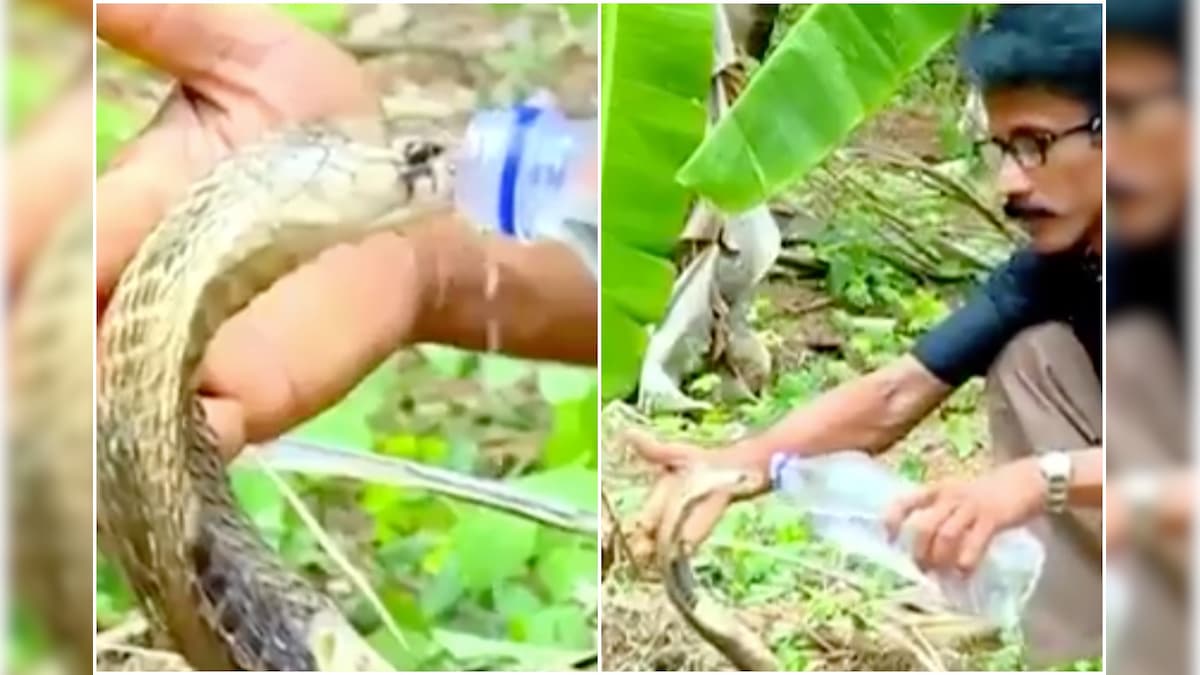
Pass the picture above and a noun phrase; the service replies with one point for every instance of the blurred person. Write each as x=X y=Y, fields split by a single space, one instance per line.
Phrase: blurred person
x=1034 y=330
x=1149 y=507
x=241 y=71
x=50 y=174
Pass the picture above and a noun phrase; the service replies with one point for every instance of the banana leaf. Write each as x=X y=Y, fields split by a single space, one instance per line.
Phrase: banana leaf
x=656 y=62
x=838 y=65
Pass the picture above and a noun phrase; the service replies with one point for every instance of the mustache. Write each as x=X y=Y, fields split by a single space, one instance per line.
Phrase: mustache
x=1119 y=190
x=1023 y=209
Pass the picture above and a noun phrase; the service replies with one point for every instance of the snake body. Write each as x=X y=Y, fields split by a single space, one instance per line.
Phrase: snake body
x=717 y=625
x=51 y=438
x=166 y=510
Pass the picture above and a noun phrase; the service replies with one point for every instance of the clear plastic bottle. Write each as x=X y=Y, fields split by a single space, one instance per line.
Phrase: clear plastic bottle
x=1117 y=605
x=530 y=173
x=845 y=494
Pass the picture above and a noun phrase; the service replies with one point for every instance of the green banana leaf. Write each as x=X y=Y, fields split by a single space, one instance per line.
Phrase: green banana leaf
x=838 y=65
x=656 y=65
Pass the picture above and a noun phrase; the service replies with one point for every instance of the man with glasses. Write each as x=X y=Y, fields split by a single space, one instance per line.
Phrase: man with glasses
x=1034 y=330
x=1148 y=510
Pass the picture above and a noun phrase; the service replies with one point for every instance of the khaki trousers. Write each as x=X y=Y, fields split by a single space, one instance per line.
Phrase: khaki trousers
x=1043 y=395
x=1147 y=428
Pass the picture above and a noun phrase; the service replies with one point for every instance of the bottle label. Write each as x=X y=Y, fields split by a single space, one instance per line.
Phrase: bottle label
x=525 y=117
x=779 y=462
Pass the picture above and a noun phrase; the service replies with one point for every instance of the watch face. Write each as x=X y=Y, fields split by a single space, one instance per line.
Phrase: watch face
x=1056 y=464
x=1139 y=488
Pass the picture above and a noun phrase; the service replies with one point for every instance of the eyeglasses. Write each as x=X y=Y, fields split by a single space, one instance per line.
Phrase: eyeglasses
x=1130 y=110
x=1029 y=149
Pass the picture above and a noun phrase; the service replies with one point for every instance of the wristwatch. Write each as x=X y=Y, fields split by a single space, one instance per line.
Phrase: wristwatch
x=1140 y=490
x=1056 y=470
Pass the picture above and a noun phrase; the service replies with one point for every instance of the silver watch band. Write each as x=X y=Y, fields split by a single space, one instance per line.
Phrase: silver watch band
x=1056 y=470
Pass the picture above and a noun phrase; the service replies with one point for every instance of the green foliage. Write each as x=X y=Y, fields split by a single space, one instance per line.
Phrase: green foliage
x=503 y=592
x=857 y=274
x=470 y=587
x=655 y=78
x=115 y=125
x=912 y=465
x=328 y=17
x=28 y=90
x=855 y=56
x=27 y=641
x=1095 y=665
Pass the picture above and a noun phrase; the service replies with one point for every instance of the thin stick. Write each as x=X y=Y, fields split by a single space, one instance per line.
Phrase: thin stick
x=323 y=538
x=622 y=542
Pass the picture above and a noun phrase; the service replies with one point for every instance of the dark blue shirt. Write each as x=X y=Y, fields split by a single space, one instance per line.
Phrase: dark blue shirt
x=1148 y=278
x=1028 y=289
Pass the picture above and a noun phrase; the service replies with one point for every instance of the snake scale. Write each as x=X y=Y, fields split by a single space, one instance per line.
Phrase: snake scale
x=166 y=511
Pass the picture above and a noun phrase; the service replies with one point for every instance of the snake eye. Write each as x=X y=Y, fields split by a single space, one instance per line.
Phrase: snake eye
x=420 y=152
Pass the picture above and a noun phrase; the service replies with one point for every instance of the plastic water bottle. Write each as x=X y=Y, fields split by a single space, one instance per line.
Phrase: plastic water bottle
x=530 y=173
x=846 y=493
x=1117 y=605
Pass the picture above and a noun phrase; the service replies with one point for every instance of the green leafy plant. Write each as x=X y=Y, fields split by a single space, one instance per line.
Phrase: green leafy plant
x=28 y=89
x=655 y=63
x=329 y=17
x=836 y=66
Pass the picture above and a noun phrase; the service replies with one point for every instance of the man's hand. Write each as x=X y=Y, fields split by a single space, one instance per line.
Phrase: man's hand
x=675 y=459
x=955 y=520
x=241 y=71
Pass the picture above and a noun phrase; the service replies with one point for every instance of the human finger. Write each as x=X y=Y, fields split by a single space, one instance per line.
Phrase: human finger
x=704 y=518
x=947 y=542
x=925 y=524
x=226 y=419
x=649 y=517
x=338 y=306
x=655 y=451
x=975 y=544
x=902 y=506
x=225 y=53
x=48 y=174
x=145 y=179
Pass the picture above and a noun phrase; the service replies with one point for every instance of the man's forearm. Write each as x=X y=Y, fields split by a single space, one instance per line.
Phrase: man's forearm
x=1165 y=501
x=1086 y=485
x=537 y=300
x=869 y=413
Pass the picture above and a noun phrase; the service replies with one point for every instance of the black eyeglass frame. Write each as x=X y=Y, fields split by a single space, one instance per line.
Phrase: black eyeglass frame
x=1124 y=109
x=1032 y=157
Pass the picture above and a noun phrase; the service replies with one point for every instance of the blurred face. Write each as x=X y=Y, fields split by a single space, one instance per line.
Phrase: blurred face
x=1049 y=160
x=1148 y=141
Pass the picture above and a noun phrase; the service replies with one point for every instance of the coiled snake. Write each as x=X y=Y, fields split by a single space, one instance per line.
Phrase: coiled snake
x=716 y=624
x=911 y=612
x=166 y=512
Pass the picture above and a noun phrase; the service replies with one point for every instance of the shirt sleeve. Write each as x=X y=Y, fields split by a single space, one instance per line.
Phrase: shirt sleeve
x=966 y=343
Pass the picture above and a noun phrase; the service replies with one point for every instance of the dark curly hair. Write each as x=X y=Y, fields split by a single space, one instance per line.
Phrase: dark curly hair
x=1057 y=47
x=1161 y=22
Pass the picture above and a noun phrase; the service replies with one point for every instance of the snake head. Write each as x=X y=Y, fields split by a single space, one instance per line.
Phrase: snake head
x=739 y=482
x=417 y=151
